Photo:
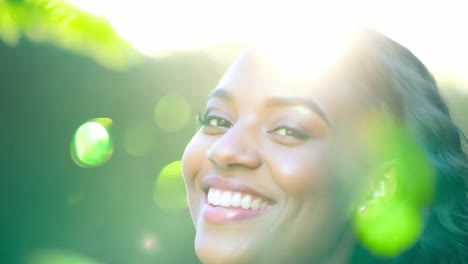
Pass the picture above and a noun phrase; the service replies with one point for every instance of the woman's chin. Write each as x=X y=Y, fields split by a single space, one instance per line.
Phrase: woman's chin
x=224 y=250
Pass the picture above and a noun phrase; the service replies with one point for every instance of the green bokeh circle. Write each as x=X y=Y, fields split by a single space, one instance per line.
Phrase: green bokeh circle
x=92 y=145
x=169 y=191
x=172 y=113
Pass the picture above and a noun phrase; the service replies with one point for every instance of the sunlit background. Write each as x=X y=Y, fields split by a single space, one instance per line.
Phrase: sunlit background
x=99 y=98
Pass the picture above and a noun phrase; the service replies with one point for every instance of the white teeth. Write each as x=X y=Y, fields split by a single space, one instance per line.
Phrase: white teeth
x=255 y=204
x=223 y=198
x=216 y=197
x=246 y=201
x=210 y=195
x=236 y=200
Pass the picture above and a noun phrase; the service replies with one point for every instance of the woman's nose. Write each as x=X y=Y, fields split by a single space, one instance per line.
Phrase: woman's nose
x=235 y=148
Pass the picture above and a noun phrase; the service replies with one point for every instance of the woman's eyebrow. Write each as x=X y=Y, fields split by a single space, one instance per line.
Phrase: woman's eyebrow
x=222 y=94
x=278 y=102
x=298 y=101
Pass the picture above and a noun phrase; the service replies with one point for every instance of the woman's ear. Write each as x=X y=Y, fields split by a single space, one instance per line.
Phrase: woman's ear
x=386 y=222
x=390 y=218
x=384 y=183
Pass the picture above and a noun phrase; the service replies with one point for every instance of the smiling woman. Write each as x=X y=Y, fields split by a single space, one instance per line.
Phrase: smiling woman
x=351 y=165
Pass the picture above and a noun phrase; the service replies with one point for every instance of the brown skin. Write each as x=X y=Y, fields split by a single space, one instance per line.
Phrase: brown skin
x=311 y=212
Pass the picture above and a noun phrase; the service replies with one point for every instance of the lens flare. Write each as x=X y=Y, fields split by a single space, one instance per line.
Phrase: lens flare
x=169 y=191
x=172 y=113
x=92 y=145
x=391 y=220
x=388 y=228
x=306 y=54
x=150 y=242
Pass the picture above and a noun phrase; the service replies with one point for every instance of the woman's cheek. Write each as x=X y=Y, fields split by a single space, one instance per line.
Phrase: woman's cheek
x=302 y=172
x=192 y=163
x=192 y=158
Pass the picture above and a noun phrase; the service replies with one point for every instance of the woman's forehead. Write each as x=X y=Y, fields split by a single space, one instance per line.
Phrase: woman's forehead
x=252 y=71
x=252 y=74
x=251 y=79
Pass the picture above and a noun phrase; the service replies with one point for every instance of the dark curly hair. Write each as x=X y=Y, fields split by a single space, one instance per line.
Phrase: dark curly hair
x=396 y=78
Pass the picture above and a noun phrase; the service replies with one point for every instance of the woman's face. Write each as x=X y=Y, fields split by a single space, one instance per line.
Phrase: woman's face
x=264 y=174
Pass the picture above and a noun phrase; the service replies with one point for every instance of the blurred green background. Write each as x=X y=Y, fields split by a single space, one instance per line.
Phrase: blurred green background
x=46 y=199
x=60 y=68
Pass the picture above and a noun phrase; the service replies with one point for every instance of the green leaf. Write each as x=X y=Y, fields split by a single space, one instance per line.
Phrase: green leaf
x=60 y=23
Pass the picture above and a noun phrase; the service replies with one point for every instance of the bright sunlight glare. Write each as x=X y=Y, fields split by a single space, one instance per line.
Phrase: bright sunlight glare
x=291 y=54
x=433 y=30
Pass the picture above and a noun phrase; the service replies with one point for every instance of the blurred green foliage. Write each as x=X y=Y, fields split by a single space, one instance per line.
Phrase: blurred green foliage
x=59 y=22
x=48 y=203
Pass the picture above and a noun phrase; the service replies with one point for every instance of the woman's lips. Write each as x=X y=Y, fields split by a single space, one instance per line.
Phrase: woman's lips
x=220 y=215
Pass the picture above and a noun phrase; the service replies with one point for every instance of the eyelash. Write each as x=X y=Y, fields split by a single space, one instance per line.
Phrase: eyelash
x=204 y=120
x=291 y=132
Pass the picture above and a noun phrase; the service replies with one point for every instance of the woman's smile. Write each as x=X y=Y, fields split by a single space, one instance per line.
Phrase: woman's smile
x=283 y=167
x=228 y=200
x=259 y=169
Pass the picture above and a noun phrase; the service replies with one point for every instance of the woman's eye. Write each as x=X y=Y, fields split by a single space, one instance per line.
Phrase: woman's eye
x=213 y=121
x=289 y=132
x=218 y=122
